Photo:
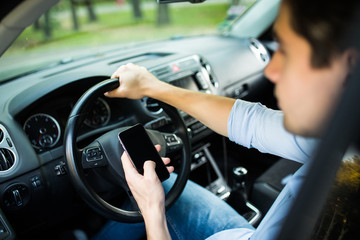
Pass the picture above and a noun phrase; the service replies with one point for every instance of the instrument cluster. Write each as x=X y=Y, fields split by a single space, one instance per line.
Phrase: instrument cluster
x=44 y=130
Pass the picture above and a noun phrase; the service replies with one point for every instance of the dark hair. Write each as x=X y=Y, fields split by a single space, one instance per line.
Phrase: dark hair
x=324 y=23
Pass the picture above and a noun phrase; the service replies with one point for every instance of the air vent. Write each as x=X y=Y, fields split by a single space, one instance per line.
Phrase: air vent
x=210 y=72
x=7 y=159
x=152 y=105
x=161 y=71
x=8 y=153
x=259 y=50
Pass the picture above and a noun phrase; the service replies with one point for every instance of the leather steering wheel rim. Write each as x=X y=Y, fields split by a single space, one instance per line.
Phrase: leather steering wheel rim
x=73 y=157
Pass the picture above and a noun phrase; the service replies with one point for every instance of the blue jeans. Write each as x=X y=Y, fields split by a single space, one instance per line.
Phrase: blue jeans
x=197 y=214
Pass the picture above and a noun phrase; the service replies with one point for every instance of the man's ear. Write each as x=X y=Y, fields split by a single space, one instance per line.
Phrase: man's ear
x=352 y=58
x=349 y=59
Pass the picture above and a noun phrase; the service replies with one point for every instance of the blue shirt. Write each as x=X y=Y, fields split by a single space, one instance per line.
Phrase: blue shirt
x=254 y=126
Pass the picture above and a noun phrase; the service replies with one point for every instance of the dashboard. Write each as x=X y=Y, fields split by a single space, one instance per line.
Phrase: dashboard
x=34 y=110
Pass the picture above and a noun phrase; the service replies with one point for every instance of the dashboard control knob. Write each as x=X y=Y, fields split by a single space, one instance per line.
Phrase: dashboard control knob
x=16 y=196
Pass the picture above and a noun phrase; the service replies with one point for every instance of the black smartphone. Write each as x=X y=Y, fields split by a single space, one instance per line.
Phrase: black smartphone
x=139 y=147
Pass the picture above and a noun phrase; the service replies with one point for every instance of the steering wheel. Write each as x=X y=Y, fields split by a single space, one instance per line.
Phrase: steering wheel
x=105 y=152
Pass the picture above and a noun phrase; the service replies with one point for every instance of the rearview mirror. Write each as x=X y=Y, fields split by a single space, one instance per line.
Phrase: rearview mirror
x=174 y=1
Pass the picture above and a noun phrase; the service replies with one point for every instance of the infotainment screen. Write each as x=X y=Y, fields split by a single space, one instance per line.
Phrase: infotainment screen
x=187 y=82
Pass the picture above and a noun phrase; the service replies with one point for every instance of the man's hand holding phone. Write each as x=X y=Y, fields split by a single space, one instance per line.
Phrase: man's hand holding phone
x=149 y=195
x=144 y=168
x=147 y=188
x=144 y=171
x=139 y=148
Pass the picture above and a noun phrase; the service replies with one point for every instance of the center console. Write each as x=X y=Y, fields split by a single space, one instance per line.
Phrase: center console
x=195 y=73
x=205 y=172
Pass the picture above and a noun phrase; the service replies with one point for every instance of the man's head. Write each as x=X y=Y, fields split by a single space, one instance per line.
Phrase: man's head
x=311 y=65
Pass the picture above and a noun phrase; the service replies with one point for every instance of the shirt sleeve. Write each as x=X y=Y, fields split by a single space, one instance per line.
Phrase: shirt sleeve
x=255 y=126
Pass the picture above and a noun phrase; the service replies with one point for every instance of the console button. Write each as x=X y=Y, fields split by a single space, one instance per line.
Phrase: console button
x=60 y=169
x=35 y=182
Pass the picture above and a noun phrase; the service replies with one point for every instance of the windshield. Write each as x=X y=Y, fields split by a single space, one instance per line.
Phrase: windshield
x=75 y=29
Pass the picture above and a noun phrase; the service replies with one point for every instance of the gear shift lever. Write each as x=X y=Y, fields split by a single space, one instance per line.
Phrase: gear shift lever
x=239 y=175
x=239 y=197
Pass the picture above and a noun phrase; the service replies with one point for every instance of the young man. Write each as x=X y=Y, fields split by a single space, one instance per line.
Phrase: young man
x=309 y=70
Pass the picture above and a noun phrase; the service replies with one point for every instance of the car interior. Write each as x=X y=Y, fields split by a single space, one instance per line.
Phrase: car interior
x=40 y=197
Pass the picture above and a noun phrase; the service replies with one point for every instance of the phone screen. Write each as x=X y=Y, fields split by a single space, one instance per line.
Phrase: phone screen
x=139 y=147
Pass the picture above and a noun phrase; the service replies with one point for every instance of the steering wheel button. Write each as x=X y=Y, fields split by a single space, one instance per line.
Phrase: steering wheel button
x=94 y=155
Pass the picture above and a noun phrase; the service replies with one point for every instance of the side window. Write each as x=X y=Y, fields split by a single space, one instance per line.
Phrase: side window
x=340 y=218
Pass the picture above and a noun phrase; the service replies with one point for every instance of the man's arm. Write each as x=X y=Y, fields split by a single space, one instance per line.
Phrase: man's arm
x=211 y=110
x=136 y=82
x=155 y=224
x=253 y=125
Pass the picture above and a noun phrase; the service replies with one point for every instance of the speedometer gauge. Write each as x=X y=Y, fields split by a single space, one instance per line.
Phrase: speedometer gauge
x=99 y=114
x=43 y=130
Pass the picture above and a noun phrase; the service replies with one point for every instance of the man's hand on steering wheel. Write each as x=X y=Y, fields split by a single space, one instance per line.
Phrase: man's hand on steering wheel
x=134 y=82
